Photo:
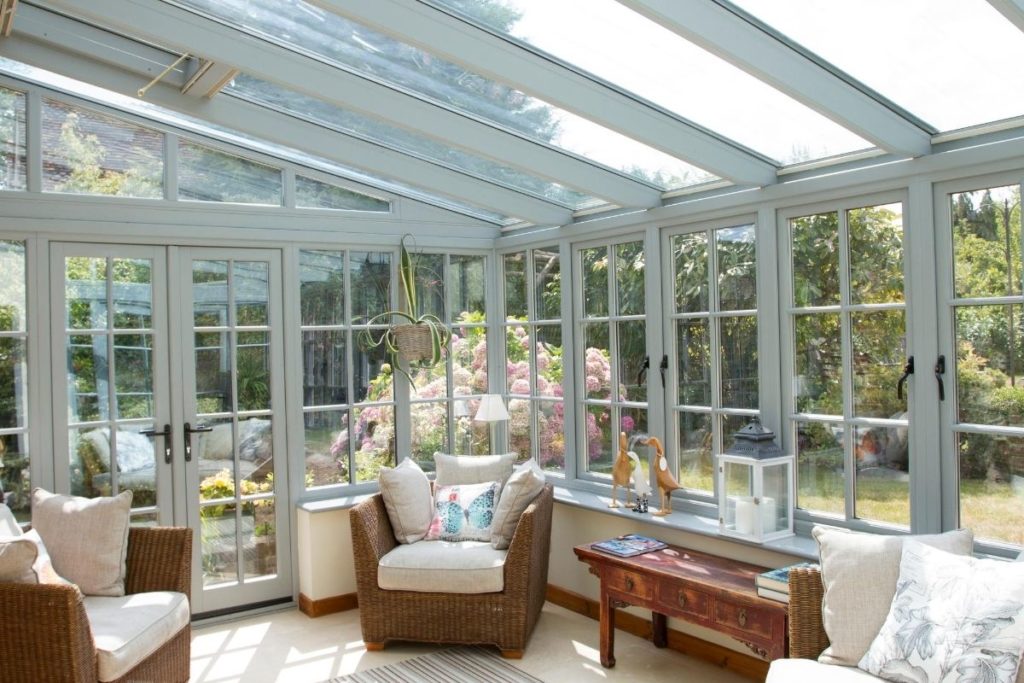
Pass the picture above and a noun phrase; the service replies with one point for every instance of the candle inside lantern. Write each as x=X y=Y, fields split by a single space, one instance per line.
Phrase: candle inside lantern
x=745 y=511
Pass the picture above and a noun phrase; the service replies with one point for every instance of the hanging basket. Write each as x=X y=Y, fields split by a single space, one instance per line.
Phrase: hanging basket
x=414 y=342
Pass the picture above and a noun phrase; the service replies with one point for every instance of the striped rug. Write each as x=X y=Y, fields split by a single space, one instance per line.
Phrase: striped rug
x=455 y=665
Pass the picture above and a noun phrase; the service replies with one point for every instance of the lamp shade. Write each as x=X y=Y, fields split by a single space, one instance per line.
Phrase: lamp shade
x=492 y=409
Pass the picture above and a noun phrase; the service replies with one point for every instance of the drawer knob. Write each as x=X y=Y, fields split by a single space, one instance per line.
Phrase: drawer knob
x=682 y=599
x=742 y=617
x=629 y=583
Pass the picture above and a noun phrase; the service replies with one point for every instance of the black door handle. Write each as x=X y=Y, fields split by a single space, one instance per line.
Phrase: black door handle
x=663 y=368
x=940 y=370
x=643 y=370
x=908 y=370
x=189 y=431
x=166 y=433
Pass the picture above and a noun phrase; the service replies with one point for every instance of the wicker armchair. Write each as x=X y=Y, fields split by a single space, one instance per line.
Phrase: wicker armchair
x=504 y=619
x=807 y=636
x=45 y=635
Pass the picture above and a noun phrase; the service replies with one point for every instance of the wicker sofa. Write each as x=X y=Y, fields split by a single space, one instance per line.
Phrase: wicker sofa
x=44 y=629
x=504 y=619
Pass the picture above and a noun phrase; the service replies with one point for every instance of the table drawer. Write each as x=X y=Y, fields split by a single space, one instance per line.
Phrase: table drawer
x=738 y=618
x=633 y=583
x=682 y=600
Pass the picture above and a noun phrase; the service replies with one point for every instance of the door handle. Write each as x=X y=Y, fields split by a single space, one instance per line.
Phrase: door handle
x=189 y=431
x=166 y=433
x=908 y=370
x=940 y=370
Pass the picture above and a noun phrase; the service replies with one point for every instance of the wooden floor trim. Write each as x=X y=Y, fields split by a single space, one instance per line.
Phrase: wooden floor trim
x=742 y=664
x=335 y=603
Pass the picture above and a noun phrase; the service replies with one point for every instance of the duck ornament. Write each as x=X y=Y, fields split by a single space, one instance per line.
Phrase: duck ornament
x=622 y=469
x=663 y=476
x=640 y=483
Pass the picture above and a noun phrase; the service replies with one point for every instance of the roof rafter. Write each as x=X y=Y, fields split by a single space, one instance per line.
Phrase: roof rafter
x=753 y=48
x=165 y=24
x=117 y=66
x=498 y=58
x=1012 y=10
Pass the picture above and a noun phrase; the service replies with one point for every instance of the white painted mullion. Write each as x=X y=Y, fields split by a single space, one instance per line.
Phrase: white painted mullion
x=288 y=198
x=171 y=170
x=658 y=412
x=570 y=286
x=846 y=345
x=58 y=356
x=34 y=140
x=41 y=394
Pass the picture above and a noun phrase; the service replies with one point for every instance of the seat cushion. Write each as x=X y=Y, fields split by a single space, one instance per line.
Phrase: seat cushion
x=129 y=628
x=443 y=567
x=812 y=671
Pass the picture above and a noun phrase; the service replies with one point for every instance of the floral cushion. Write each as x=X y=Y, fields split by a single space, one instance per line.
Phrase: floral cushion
x=464 y=512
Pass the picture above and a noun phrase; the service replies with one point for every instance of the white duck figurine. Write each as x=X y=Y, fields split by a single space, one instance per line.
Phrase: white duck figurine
x=640 y=483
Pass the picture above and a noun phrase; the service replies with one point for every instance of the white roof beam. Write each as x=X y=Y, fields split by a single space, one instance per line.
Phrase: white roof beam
x=70 y=55
x=495 y=57
x=1012 y=10
x=164 y=24
x=716 y=28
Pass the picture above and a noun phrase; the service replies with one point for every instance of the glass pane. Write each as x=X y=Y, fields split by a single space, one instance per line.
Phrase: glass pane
x=550 y=435
x=520 y=418
x=216 y=451
x=466 y=288
x=629 y=277
x=12 y=292
x=632 y=351
x=132 y=284
x=217 y=544
x=910 y=61
x=253 y=377
x=991 y=473
x=549 y=360
x=597 y=369
x=256 y=455
x=633 y=421
x=210 y=293
x=691 y=272
x=595 y=282
x=85 y=152
x=739 y=490
x=696 y=457
x=314 y=194
x=729 y=425
x=133 y=375
x=90 y=462
x=547 y=284
x=260 y=538
x=371 y=375
x=12 y=140
x=209 y=175
x=213 y=373
x=876 y=254
x=815 y=243
x=430 y=284
x=738 y=361
x=879 y=353
x=326 y=448
x=820 y=467
x=136 y=463
x=472 y=437
x=252 y=293
x=883 y=474
x=819 y=364
x=85 y=291
x=374 y=441
x=987 y=388
x=515 y=286
x=322 y=287
x=88 y=378
x=431 y=382
x=325 y=380
x=469 y=360
x=429 y=432
x=370 y=275
x=600 y=446
x=987 y=242
x=693 y=346
x=13 y=385
x=737 y=268
x=518 y=375
x=15 y=475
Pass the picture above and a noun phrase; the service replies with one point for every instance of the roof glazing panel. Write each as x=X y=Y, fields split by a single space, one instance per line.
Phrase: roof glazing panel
x=310 y=30
x=641 y=56
x=953 y=63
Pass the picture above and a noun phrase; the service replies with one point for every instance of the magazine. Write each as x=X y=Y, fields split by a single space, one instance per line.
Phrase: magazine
x=778 y=579
x=629 y=545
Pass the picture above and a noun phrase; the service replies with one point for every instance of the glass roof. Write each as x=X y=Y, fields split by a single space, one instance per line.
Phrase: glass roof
x=304 y=28
x=953 y=63
x=638 y=55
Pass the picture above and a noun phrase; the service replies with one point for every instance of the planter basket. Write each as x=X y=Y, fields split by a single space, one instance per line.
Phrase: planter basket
x=414 y=342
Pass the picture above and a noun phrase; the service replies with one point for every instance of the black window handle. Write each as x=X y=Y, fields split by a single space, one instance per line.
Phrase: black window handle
x=166 y=433
x=643 y=370
x=189 y=431
x=664 y=368
x=908 y=370
x=940 y=370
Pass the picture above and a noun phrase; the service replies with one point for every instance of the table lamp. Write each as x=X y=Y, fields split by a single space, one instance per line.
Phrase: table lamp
x=492 y=409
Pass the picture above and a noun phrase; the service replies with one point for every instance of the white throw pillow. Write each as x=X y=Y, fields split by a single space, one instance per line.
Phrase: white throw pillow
x=472 y=469
x=87 y=538
x=406 y=493
x=464 y=512
x=17 y=555
x=522 y=487
x=8 y=522
x=859 y=571
x=953 y=618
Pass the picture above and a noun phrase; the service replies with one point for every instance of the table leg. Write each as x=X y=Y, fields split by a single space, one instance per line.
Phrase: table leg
x=659 y=624
x=607 y=629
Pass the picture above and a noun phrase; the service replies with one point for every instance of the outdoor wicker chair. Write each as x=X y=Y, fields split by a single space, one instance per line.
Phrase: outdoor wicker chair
x=504 y=619
x=44 y=630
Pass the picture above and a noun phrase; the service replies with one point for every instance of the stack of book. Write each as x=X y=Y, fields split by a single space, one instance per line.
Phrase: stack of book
x=774 y=584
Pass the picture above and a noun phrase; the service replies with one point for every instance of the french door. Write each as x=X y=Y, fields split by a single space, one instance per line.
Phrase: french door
x=168 y=366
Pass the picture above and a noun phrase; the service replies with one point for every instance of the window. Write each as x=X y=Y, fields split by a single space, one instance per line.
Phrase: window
x=533 y=355
x=209 y=175
x=85 y=152
x=12 y=140
x=847 y=339
x=14 y=451
x=714 y=345
x=348 y=402
x=313 y=194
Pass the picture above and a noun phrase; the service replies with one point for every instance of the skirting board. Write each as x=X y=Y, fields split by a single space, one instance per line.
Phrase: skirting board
x=325 y=606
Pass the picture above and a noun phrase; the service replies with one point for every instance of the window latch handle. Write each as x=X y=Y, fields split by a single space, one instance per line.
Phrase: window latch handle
x=643 y=370
x=940 y=370
x=908 y=370
x=663 y=368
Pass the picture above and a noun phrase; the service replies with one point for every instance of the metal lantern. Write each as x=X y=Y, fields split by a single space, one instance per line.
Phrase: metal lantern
x=755 y=485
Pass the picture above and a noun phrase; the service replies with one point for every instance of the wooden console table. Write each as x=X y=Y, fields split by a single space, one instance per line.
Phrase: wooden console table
x=696 y=587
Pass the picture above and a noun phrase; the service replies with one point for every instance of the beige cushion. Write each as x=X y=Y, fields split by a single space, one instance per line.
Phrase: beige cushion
x=8 y=522
x=522 y=487
x=43 y=566
x=443 y=567
x=87 y=538
x=406 y=493
x=811 y=671
x=472 y=469
x=129 y=628
x=17 y=555
x=860 y=571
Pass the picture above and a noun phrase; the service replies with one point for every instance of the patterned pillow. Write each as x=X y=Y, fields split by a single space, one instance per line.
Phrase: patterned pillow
x=464 y=512
x=953 y=618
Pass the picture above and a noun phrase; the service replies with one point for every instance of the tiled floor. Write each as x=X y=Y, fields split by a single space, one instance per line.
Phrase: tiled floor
x=288 y=646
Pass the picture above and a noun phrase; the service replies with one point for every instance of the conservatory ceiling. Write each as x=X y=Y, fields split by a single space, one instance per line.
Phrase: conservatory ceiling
x=535 y=112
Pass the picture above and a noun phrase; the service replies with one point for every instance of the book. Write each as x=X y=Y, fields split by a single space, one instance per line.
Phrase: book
x=773 y=595
x=629 y=545
x=778 y=579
